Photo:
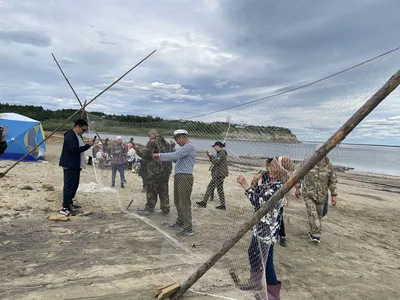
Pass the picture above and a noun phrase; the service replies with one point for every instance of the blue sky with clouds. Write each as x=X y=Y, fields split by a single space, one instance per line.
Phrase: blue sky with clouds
x=211 y=54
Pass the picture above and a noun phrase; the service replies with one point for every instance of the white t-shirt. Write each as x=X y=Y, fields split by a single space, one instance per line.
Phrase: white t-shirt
x=83 y=156
x=131 y=152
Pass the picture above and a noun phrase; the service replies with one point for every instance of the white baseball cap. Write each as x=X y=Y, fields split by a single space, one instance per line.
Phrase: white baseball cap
x=118 y=137
x=180 y=131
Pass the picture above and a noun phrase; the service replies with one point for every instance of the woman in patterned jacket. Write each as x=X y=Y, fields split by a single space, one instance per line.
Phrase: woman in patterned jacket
x=265 y=232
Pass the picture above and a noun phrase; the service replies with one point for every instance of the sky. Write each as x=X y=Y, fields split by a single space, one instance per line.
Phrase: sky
x=210 y=55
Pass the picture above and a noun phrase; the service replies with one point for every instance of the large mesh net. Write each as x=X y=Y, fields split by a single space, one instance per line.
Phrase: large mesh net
x=205 y=199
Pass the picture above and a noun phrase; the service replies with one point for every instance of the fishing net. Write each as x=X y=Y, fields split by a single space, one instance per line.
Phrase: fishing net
x=288 y=125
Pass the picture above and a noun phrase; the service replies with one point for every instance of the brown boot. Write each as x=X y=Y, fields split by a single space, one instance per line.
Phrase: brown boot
x=274 y=291
x=254 y=283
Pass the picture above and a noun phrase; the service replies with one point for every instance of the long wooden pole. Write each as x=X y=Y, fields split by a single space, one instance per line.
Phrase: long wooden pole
x=73 y=115
x=83 y=115
x=65 y=77
x=310 y=163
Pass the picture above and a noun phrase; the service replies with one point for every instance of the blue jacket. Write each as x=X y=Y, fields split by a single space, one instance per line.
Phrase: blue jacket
x=71 y=152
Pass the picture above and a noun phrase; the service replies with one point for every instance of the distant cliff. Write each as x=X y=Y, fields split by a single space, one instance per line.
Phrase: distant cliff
x=262 y=133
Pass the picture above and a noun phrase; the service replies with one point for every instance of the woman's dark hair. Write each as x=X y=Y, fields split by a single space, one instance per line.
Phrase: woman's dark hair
x=220 y=144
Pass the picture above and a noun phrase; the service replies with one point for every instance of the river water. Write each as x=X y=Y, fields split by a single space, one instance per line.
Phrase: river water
x=363 y=158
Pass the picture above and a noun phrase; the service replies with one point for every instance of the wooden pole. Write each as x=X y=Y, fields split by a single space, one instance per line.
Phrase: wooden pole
x=83 y=115
x=72 y=116
x=310 y=163
x=65 y=77
x=99 y=137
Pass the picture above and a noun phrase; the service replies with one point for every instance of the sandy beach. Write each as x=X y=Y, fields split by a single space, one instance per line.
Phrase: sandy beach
x=106 y=252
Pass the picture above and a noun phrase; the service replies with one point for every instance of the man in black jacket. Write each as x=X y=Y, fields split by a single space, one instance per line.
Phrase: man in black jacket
x=3 y=143
x=73 y=161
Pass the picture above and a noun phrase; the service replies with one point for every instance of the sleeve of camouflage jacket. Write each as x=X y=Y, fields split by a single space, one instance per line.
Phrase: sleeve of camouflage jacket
x=152 y=147
x=219 y=158
x=332 y=181
x=141 y=151
x=148 y=151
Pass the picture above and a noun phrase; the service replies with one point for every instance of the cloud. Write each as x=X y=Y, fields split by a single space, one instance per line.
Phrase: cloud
x=25 y=37
x=216 y=54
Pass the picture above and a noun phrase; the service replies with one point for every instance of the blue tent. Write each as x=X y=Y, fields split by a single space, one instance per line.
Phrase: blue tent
x=23 y=134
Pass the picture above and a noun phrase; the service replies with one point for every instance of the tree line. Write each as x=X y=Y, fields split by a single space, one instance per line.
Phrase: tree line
x=51 y=119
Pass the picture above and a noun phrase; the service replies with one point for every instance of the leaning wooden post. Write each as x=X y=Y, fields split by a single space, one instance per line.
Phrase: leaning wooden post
x=83 y=115
x=331 y=143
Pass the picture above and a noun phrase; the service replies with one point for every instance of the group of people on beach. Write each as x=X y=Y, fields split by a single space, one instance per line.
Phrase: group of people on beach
x=157 y=158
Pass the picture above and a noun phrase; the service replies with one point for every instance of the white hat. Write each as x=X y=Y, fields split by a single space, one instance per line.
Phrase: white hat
x=180 y=131
x=118 y=137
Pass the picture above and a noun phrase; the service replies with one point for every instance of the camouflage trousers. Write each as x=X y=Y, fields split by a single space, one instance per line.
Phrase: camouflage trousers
x=216 y=182
x=314 y=213
x=157 y=187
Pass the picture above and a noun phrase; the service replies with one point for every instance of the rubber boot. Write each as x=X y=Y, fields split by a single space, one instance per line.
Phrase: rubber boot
x=274 y=291
x=253 y=283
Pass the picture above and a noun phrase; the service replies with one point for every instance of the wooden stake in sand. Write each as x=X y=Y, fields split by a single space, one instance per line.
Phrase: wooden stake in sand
x=72 y=116
x=310 y=163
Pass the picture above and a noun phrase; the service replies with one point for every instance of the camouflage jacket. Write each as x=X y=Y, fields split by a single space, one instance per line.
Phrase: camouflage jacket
x=316 y=183
x=153 y=167
x=219 y=167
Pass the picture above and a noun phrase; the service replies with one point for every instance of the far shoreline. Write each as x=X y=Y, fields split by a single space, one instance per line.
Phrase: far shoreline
x=257 y=162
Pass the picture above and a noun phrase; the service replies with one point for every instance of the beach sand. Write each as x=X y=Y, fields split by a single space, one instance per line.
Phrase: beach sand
x=108 y=253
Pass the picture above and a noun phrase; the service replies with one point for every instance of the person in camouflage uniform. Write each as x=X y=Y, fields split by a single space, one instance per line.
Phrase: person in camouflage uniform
x=315 y=186
x=219 y=171
x=157 y=173
x=143 y=173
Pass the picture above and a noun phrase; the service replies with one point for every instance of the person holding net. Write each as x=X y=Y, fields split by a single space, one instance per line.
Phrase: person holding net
x=185 y=158
x=315 y=186
x=288 y=165
x=219 y=171
x=265 y=232
x=157 y=173
x=72 y=160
